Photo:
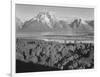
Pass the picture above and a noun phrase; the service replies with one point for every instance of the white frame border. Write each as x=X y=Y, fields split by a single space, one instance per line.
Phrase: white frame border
x=13 y=36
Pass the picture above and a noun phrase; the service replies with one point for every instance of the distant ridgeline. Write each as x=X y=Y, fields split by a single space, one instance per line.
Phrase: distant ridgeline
x=70 y=41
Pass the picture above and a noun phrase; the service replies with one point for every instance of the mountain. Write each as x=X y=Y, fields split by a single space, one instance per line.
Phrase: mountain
x=91 y=23
x=81 y=26
x=18 y=23
x=46 y=18
x=47 y=24
x=43 y=22
x=35 y=26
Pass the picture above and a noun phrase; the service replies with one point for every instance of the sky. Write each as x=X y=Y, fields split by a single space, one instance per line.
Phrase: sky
x=25 y=11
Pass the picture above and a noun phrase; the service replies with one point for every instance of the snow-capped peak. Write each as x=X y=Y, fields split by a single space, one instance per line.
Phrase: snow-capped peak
x=46 y=18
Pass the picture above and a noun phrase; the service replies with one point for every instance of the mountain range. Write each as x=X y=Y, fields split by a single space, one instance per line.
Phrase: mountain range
x=46 y=23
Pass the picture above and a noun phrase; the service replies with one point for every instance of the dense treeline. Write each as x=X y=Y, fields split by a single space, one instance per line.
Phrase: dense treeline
x=63 y=56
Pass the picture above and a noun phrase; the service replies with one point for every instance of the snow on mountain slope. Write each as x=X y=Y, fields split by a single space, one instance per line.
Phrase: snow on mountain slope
x=45 y=18
x=19 y=23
